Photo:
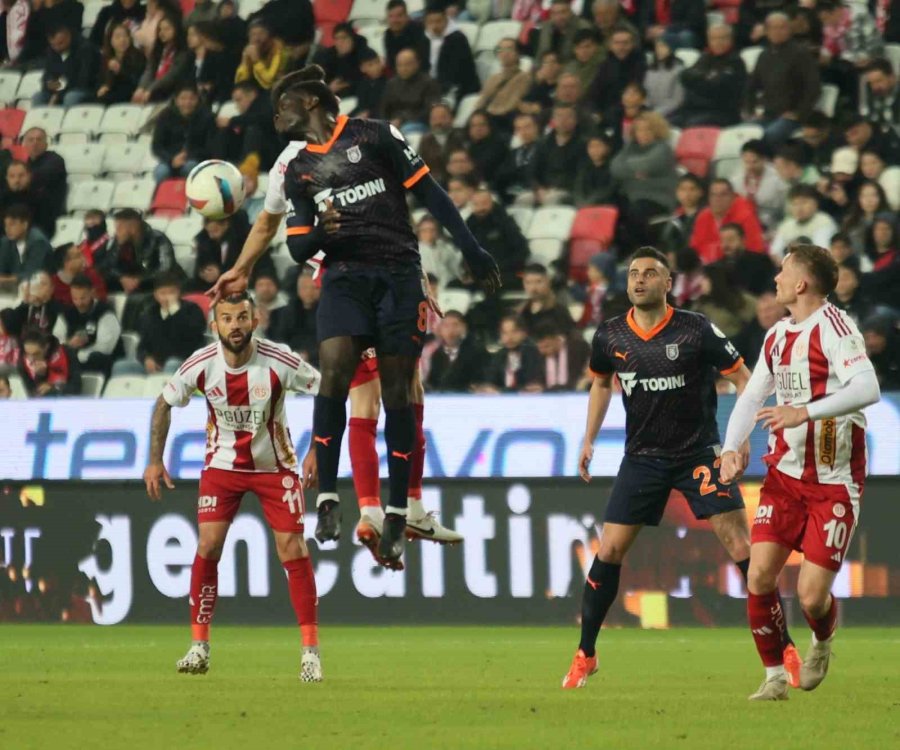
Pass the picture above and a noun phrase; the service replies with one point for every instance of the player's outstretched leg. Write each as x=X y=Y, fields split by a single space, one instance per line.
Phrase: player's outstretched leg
x=294 y=556
x=766 y=617
x=820 y=609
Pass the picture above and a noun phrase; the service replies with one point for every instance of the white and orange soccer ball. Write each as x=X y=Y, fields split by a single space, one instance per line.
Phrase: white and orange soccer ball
x=215 y=188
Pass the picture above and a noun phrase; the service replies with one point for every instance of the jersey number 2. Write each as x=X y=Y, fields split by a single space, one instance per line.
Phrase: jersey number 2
x=704 y=475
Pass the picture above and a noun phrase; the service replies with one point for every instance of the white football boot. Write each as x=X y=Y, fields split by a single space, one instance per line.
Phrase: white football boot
x=310 y=665
x=427 y=527
x=196 y=660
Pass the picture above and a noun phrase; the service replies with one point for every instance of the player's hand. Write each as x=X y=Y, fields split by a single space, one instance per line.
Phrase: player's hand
x=309 y=470
x=484 y=269
x=152 y=476
x=584 y=461
x=330 y=218
x=233 y=281
x=433 y=304
x=782 y=417
x=732 y=467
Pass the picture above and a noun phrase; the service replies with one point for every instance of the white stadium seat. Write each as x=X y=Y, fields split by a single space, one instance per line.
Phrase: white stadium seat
x=82 y=158
x=68 y=230
x=121 y=119
x=892 y=53
x=828 y=99
x=455 y=299
x=367 y=10
x=183 y=229
x=551 y=222
x=159 y=223
x=48 y=118
x=890 y=181
x=248 y=7
x=90 y=194
x=186 y=257
x=29 y=86
x=731 y=140
x=465 y=110
x=374 y=36
x=92 y=384
x=9 y=85
x=130 y=340
x=545 y=251
x=493 y=31
x=128 y=158
x=136 y=194
x=92 y=9
x=82 y=120
x=470 y=29
x=125 y=386
x=750 y=55
x=522 y=216
x=229 y=110
x=153 y=384
x=17 y=387
x=687 y=56
x=347 y=104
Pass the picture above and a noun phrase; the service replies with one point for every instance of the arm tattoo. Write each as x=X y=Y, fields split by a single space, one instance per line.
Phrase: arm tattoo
x=159 y=429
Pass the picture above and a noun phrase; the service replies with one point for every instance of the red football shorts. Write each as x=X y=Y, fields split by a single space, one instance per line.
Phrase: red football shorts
x=366 y=370
x=280 y=494
x=815 y=519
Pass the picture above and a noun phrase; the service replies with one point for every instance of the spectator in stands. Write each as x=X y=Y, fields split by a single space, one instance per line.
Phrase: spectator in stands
x=263 y=59
x=662 y=81
x=70 y=72
x=677 y=231
x=805 y=220
x=9 y=342
x=517 y=365
x=725 y=207
x=95 y=235
x=816 y=134
x=48 y=173
x=128 y=12
x=587 y=56
x=46 y=367
x=402 y=33
x=569 y=93
x=170 y=330
x=514 y=178
x=784 y=86
x=38 y=309
x=210 y=67
x=461 y=189
x=486 y=147
x=182 y=135
x=608 y=16
x=883 y=347
x=624 y=63
x=883 y=246
x=267 y=296
x=870 y=202
x=861 y=135
x=249 y=139
x=232 y=28
x=409 y=95
x=594 y=183
x=564 y=356
x=619 y=119
x=557 y=34
x=440 y=257
x=644 y=171
x=680 y=23
x=541 y=304
x=135 y=254
x=204 y=11
x=757 y=180
x=145 y=35
x=841 y=249
x=837 y=188
x=168 y=64
x=90 y=328
x=847 y=294
x=450 y=57
x=714 y=85
x=503 y=91
x=294 y=324
x=600 y=290
x=218 y=246
x=873 y=167
x=557 y=158
x=293 y=22
x=751 y=272
x=370 y=89
x=121 y=66
x=850 y=41
x=881 y=95
x=542 y=85
x=459 y=360
x=460 y=164
x=73 y=266
x=498 y=233
x=440 y=140
x=793 y=167
x=24 y=250
x=341 y=62
x=750 y=340
x=19 y=191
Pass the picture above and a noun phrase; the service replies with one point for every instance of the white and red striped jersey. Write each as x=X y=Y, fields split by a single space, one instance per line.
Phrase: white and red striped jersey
x=806 y=362
x=246 y=428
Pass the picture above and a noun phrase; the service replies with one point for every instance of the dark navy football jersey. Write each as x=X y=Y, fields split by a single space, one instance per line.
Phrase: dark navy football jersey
x=668 y=378
x=364 y=170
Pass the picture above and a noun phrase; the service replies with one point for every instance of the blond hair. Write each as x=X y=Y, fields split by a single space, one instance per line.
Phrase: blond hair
x=657 y=124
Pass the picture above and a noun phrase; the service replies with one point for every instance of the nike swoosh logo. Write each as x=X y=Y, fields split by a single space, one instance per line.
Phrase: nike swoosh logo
x=323 y=440
x=427 y=532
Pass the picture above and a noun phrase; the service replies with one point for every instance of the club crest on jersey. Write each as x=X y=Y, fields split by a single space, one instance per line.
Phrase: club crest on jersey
x=800 y=349
x=838 y=510
x=260 y=392
x=354 y=154
x=672 y=351
x=287 y=482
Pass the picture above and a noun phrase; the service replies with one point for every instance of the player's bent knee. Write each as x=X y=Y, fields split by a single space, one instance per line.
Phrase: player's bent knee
x=813 y=600
x=761 y=580
x=210 y=549
x=290 y=546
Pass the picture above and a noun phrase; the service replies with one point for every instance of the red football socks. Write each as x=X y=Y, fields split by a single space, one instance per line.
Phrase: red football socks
x=767 y=625
x=364 y=461
x=204 y=591
x=417 y=468
x=302 y=588
x=824 y=626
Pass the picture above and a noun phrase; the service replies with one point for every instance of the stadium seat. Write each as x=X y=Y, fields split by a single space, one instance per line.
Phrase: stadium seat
x=374 y=36
x=48 y=118
x=725 y=168
x=183 y=229
x=82 y=121
x=124 y=160
x=522 y=216
x=486 y=64
x=118 y=300
x=170 y=199
x=248 y=7
x=130 y=340
x=687 y=56
x=329 y=13
x=892 y=53
x=9 y=85
x=228 y=109
x=262 y=185
x=17 y=387
x=455 y=299
x=11 y=120
x=367 y=10
x=121 y=120
x=283 y=262
x=91 y=194
x=551 y=222
x=82 y=158
x=547 y=252
x=674 y=137
x=154 y=384
x=347 y=104
x=159 y=223
x=92 y=9
x=731 y=140
x=750 y=55
x=124 y=386
x=8 y=300
x=137 y=194
x=470 y=29
x=828 y=99
x=592 y=232
x=186 y=257
x=68 y=230
x=28 y=87
x=696 y=148
x=201 y=300
x=493 y=31
x=92 y=384
x=465 y=109
x=890 y=181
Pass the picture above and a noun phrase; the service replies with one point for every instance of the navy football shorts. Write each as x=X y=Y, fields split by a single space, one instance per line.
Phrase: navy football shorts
x=386 y=307
x=642 y=487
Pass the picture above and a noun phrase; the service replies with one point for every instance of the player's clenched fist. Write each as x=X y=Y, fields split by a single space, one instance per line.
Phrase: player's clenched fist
x=330 y=218
x=584 y=462
x=233 y=281
x=152 y=476
x=733 y=465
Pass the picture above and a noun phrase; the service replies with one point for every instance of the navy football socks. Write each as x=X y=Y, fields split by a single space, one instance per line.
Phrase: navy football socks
x=399 y=436
x=600 y=590
x=329 y=418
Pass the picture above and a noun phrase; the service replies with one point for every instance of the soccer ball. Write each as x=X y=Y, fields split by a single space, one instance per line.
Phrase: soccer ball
x=215 y=188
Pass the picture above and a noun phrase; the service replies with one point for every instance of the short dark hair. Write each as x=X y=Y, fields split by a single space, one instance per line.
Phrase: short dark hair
x=81 y=281
x=265 y=274
x=236 y=299
x=18 y=163
x=95 y=213
x=435 y=8
x=757 y=146
x=535 y=268
x=248 y=87
x=396 y=4
x=722 y=181
x=186 y=86
x=35 y=335
x=167 y=278
x=344 y=28
x=841 y=237
x=692 y=178
x=828 y=5
x=309 y=80
x=128 y=214
x=880 y=65
x=851 y=264
x=734 y=227
x=455 y=314
x=585 y=35
x=515 y=319
x=816 y=119
x=546 y=329
x=18 y=211
x=803 y=191
x=794 y=152
x=820 y=265
x=649 y=252
x=636 y=85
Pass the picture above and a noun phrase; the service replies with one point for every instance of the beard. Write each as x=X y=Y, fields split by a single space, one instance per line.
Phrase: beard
x=236 y=347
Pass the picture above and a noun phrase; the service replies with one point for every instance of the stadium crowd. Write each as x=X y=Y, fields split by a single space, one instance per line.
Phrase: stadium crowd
x=567 y=132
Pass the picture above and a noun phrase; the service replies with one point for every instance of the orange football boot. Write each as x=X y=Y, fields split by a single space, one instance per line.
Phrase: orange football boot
x=792 y=664
x=582 y=667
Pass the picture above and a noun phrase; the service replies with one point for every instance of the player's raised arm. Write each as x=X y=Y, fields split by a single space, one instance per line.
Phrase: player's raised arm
x=159 y=432
x=237 y=278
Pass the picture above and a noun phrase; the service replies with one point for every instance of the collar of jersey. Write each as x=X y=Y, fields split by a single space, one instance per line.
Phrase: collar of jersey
x=245 y=365
x=647 y=335
x=793 y=325
x=324 y=148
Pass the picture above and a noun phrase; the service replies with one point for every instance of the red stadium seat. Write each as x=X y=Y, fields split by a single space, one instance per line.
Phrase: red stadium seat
x=328 y=14
x=18 y=152
x=592 y=232
x=696 y=148
x=201 y=300
x=170 y=199
x=10 y=124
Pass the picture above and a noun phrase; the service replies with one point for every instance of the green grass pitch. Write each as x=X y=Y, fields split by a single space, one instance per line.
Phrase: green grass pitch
x=425 y=687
